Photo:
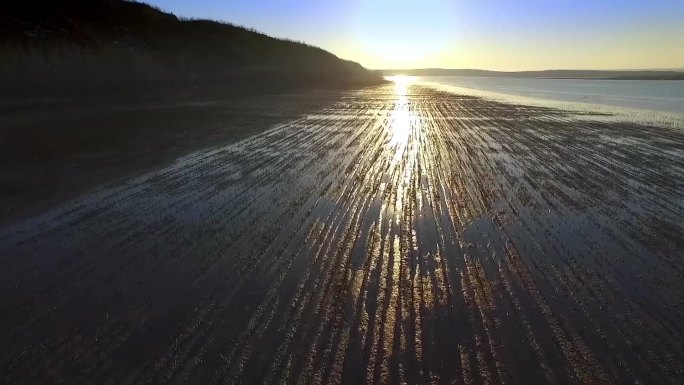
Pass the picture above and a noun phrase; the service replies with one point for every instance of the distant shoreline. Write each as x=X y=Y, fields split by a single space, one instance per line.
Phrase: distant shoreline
x=565 y=78
x=546 y=74
x=633 y=98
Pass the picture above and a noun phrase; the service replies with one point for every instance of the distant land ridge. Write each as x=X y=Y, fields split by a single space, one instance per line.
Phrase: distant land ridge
x=549 y=74
x=66 y=44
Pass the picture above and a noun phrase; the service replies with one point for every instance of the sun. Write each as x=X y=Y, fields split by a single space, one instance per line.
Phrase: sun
x=402 y=33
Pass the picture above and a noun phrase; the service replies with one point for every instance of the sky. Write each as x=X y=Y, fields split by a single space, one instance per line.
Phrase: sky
x=502 y=35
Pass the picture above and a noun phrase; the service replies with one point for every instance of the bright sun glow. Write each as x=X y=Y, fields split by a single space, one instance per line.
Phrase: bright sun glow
x=402 y=121
x=401 y=83
x=401 y=33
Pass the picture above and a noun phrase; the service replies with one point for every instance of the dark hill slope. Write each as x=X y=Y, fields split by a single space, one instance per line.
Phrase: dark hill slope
x=115 y=43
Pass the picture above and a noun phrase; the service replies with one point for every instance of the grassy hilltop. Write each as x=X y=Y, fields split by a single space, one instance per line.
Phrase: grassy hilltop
x=101 y=44
x=95 y=90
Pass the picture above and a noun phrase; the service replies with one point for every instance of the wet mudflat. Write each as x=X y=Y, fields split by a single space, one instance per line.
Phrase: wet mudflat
x=397 y=235
x=56 y=148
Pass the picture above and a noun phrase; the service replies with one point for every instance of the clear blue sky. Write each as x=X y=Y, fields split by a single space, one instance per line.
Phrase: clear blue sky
x=489 y=34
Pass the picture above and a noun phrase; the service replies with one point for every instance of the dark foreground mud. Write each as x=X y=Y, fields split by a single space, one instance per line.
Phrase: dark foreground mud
x=54 y=149
x=399 y=235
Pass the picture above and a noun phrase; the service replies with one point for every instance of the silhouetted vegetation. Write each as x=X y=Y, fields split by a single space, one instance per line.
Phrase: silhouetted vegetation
x=93 y=90
x=80 y=45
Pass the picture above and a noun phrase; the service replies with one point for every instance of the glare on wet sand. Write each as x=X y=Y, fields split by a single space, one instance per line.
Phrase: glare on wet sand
x=400 y=235
x=404 y=125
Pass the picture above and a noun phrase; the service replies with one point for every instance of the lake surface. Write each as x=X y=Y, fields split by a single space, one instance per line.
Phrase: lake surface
x=657 y=95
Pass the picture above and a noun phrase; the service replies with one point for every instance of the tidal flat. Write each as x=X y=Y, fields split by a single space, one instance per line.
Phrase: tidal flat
x=394 y=234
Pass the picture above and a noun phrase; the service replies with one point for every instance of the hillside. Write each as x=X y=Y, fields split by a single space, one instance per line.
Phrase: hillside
x=81 y=44
x=549 y=74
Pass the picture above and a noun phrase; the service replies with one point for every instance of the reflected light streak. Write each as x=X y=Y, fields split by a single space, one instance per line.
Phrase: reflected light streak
x=402 y=120
x=404 y=130
x=401 y=83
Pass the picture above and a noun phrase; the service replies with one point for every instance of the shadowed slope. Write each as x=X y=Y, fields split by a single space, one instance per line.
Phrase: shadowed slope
x=114 y=43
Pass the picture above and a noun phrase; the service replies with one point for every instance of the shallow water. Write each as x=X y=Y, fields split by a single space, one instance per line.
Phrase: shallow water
x=657 y=95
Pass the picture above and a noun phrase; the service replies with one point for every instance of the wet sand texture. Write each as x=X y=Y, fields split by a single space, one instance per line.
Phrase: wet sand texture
x=54 y=149
x=394 y=236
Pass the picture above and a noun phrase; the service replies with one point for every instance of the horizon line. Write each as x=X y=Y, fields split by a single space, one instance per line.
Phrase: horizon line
x=677 y=69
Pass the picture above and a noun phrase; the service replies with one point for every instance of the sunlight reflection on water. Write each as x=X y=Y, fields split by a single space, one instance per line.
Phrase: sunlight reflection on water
x=403 y=122
x=404 y=132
